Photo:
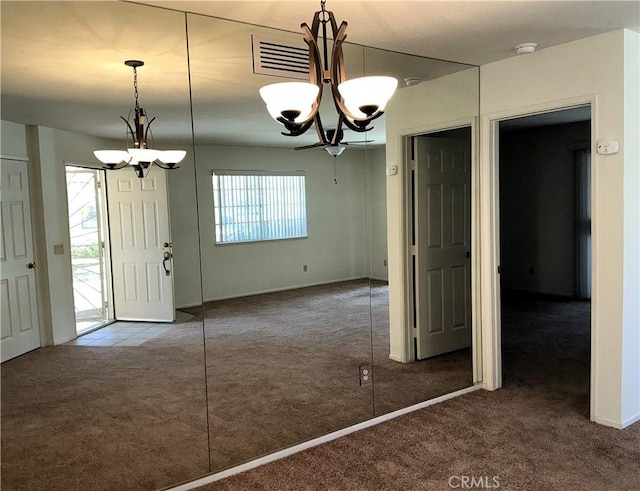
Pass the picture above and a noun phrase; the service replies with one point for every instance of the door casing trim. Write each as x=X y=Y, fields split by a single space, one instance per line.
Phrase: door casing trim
x=476 y=331
x=489 y=228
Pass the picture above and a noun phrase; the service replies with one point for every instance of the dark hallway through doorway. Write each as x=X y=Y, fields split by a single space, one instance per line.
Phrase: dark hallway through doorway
x=545 y=255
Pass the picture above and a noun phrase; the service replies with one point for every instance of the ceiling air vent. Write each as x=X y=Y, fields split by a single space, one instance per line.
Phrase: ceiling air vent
x=280 y=57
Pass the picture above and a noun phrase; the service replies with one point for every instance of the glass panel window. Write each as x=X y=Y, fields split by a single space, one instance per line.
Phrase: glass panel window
x=256 y=206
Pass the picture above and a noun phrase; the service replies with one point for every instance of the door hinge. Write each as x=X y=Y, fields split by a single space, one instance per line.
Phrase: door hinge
x=412 y=250
x=499 y=269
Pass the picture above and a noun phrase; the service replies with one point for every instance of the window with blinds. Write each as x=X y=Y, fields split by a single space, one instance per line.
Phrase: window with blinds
x=254 y=206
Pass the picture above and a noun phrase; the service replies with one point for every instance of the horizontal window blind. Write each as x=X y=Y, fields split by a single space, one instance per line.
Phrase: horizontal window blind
x=254 y=206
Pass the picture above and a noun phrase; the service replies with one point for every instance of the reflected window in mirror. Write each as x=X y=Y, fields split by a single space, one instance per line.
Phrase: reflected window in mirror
x=254 y=206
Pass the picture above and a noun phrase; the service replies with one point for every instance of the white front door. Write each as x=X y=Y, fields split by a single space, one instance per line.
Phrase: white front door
x=20 y=330
x=442 y=209
x=140 y=245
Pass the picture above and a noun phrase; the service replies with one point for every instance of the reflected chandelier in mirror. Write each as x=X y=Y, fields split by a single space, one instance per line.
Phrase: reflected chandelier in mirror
x=139 y=156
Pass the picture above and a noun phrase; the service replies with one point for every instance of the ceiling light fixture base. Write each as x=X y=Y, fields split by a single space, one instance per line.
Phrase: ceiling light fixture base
x=134 y=63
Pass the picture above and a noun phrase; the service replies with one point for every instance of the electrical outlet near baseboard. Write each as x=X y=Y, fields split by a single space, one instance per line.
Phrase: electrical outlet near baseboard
x=304 y=268
x=365 y=374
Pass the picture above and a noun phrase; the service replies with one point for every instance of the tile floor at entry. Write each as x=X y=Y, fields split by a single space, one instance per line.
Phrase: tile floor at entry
x=122 y=334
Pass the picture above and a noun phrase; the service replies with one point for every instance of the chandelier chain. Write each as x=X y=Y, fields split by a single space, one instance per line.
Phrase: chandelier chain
x=135 y=86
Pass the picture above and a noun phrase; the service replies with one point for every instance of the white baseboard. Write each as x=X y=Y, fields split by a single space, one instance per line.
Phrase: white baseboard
x=630 y=421
x=396 y=358
x=608 y=422
x=376 y=278
x=286 y=288
x=617 y=424
x=189 y=305
x=317 y=441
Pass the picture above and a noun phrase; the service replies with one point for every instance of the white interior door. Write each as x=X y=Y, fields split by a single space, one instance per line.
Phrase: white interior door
x=20 y=329
x=442 y=209
x=140 y=245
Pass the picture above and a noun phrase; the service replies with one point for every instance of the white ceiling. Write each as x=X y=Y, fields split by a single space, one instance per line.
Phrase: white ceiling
x=474 y=32
x=62 y=62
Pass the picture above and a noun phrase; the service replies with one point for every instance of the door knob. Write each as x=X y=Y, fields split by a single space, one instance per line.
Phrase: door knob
x=31 y=265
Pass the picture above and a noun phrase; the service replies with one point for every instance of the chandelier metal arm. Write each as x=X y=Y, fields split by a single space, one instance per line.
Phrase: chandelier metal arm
x=119 y=165
x=146 y=132
x=315 y=77
x=320 y=130
x=337 y=135
x=338 y=76
x=138 y=122
x=133 y=134
x=295 y=129
x=168 y=166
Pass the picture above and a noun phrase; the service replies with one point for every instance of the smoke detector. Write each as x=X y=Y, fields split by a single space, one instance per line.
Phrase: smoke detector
x=525 y=48
x=412 y=81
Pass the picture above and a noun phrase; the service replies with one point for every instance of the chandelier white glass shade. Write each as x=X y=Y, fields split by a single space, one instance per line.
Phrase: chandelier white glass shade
x=358 y=101
x=138 y=153
x=291 y=101
x=365 y=95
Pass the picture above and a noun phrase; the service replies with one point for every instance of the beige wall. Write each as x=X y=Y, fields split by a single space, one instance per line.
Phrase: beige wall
x=48 y=151
x=13 y=141
x=589 y=70
x=603 y=71
x=377 y=211
x=336 y=248
x=446 y=102
x=631 y=298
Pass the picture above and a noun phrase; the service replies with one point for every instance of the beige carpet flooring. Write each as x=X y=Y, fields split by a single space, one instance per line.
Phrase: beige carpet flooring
x=281 y=368
x=284 y=368
x=106 y=418
x=534 y=434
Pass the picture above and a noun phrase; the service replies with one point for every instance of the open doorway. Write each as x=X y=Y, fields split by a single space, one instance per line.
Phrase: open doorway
x=545 y=254
x=91 y=268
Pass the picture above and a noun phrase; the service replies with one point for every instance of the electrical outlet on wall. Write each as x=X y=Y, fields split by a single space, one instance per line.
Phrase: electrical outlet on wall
x=365 y=374
x=304 y=268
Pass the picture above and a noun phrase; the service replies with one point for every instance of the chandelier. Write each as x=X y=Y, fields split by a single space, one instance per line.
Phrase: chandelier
x=139 y=154
x=358 y=101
